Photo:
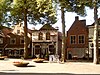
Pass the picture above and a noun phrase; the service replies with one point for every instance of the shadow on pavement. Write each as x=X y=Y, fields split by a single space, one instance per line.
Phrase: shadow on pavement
x=27 y=66
x=2 y=73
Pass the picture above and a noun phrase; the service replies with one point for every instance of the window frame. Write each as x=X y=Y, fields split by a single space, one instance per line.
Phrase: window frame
x=47 y=35
x=12 y=39
x=71 y=41
x=81 y=39
x=18 y=31
x=21 y=40
x=40 y=36
x=99 y=33
x=1 y=40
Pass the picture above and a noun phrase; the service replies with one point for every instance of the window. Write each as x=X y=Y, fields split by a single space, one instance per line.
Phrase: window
x=18 y=31
x=13 y=41
x=11 y=52
x=0 y=51
x=72 y=39
x=47 y=36
x=1 y=40
x=99 y=22
x=99 y=33
x=21 y=40
x=81 y=39
x=0 y=32
x=16 y=53
x=40 y=37
x=91 y=45
x=21 y=51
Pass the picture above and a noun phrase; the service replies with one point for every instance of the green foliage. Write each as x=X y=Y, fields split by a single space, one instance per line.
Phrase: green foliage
x=4 y=8
x=2 y=27
x=38 y=11
x=78 y=6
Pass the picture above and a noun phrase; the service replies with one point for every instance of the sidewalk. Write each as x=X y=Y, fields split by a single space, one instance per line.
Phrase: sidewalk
x=6 y=66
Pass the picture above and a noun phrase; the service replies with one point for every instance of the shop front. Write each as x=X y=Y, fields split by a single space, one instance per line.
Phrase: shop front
x=43 y=50
x=14 y=52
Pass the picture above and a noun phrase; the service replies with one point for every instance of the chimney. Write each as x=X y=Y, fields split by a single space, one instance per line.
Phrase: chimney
x=83 y=21
x=76 y=18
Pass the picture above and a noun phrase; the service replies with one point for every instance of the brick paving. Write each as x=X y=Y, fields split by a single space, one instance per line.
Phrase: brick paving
x=69 y=68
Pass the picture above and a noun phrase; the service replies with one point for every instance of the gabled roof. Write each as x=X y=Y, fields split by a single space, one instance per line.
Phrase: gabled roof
x=30 y=31
x=1 y=34
x=78 y=23
x=47 y=27
x=6 y=31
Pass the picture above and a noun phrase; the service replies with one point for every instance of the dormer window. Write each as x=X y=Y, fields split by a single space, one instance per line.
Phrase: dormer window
x=18 y=31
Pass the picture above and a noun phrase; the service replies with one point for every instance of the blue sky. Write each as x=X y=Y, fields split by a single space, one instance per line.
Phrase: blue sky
x=70 y=17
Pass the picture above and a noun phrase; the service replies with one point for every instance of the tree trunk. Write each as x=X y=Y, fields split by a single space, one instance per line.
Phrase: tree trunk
x=25 y=35
x=95 y=60
x=63 y=35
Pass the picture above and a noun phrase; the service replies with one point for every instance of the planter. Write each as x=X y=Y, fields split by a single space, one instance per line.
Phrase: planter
x=2 y=58
x=20 y=64
x=38 y=60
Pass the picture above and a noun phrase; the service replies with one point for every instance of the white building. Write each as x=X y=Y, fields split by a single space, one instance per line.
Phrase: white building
x=91 y=34
x=45 y=41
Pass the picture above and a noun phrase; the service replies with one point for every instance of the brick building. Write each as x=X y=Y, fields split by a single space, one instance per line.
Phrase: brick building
x=3 y=38
x=77 y=39
x=46 y=39
x=12 y=41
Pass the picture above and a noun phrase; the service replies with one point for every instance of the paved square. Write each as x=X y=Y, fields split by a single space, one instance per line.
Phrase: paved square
x=7 y=68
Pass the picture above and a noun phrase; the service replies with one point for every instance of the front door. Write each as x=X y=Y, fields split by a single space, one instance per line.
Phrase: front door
x=37 y=51
x=51 y=49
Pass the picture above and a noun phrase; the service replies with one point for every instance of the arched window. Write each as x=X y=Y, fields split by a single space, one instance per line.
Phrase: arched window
x=40 y=36
x=47 y=36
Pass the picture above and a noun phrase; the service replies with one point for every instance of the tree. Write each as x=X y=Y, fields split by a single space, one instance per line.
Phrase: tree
x=96 y=56
x=4 y=8
x=77 y=6
x=39 y=11
x=70 y=6
x=94 y=4
x=63 y=35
